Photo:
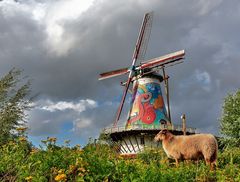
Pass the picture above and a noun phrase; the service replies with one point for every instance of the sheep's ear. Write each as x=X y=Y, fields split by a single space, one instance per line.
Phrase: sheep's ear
x=164 y=131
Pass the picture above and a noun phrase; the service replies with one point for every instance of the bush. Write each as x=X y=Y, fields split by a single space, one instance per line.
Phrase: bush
x=20 y=161
x=229 y=156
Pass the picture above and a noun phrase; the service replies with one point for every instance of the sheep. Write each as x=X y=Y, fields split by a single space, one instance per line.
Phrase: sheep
x=190 y=147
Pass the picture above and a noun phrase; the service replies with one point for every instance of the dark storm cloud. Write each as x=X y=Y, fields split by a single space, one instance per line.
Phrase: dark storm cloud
x=65 y=65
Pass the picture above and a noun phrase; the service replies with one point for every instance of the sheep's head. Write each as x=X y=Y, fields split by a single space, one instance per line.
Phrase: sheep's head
x=161 y=135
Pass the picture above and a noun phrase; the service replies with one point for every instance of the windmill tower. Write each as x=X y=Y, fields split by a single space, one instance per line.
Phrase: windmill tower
x=147 y=114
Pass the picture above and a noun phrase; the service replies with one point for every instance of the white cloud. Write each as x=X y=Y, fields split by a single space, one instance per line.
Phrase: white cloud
x=78 y=106
x=48 y=116
x=207 y=6
x=81 y=123
x=52 y=16
x=203 y=77
x=11 y=8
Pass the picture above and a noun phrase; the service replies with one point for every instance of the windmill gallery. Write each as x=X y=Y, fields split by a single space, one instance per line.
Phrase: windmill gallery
x=147 y=114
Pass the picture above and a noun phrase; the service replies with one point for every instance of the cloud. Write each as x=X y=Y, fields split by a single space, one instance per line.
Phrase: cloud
x=81 y=123
x=47 y=113
x=208 y=6
x=52 y=16
x=79 y=106
x=55 y=15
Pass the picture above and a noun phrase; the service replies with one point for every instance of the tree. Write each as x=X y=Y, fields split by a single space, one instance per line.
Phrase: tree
x=230 y=120
x=14 y=101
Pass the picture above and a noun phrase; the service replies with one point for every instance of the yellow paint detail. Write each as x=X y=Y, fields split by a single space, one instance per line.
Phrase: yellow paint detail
x=135 y=108
x=142 y=87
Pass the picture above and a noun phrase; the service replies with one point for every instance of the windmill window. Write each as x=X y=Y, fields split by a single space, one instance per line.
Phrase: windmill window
x=163 y=121
x=142 y=141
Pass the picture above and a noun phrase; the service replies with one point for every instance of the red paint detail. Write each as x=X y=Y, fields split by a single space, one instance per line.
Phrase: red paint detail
x=146 y=111
x=149 y=114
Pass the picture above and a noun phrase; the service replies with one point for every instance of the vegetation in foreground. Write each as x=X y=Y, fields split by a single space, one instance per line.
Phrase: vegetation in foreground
x=98 y=162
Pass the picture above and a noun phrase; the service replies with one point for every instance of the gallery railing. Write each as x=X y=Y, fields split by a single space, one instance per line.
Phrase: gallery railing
x=146 y=127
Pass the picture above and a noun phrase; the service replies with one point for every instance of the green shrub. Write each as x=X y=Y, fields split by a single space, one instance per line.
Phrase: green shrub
x=98 y=162
x=228 y=156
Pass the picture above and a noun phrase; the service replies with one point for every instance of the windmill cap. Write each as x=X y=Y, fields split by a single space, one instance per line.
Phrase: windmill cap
x=154 y=75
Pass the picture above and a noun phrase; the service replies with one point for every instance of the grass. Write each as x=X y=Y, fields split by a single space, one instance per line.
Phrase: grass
x=98 y=162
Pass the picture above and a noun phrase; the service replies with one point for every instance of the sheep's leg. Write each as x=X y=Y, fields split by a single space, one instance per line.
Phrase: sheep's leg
x=208 y=162
x=197 y=161
x=188 y=161
x=177 y=163
x=213 y=160
x=213 y=165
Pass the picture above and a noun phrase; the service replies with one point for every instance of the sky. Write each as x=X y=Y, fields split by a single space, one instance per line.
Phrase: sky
x=63 y=46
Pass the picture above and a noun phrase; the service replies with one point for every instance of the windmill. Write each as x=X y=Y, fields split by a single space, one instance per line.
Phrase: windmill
x=147 y=114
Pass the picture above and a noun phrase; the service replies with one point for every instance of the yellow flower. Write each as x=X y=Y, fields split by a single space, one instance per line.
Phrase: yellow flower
x=66 y=141
x=82 y=169
x=61 y=171
x=80 y=151
x=54 y=170
x=80 y=174
x=21 y=129
x=44 y=141
x=72 y=168
x=29 y=178
x=78 y=146
x=120 y=157
x=34 y=150
x=106 y=180
x=61 y=177
x=52 y=139
x=12 y=143
x=22 y=139
x=78 y=161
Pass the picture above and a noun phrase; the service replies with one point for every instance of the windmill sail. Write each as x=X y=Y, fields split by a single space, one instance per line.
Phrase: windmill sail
x=168 y=60
x=113 y=73
x=140 y=49
x=163 y=60
x=146 y=36
x=141 y=37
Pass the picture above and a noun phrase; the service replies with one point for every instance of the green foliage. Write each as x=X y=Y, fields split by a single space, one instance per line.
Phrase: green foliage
x=151 y=155
x=230 y=120
x=229 y=156
x=98 y=162
x=13 y=103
